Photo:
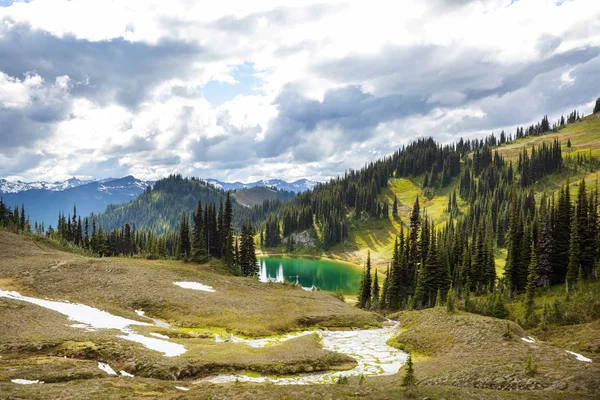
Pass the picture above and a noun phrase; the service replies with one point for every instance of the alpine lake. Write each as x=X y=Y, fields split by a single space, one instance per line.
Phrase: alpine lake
x=311 y=273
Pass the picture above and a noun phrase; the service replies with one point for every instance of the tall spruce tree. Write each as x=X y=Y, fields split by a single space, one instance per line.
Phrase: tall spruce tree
x=532 y=279
x=574 y=257
x=364 y=296
x=375 y=292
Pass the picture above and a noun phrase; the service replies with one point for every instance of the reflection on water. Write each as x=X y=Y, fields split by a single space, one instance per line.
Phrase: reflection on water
x=311 y=273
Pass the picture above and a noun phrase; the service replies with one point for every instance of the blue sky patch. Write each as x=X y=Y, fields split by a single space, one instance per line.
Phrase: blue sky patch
x=218 y=93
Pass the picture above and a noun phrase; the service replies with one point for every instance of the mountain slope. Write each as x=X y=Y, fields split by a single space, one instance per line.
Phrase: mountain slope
x=44 y=204
x=159 y=208
x=376 y=235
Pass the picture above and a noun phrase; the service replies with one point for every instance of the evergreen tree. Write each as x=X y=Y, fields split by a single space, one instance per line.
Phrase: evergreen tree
x=198 y=248
x=183 y=241
x=450 y=299
x=532 y=279
x=574 y=256
x=409 y=380
x=364 y=296
x=375 y=292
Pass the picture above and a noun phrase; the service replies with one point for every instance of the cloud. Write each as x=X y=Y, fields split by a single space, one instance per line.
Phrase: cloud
x=98 y=89
x=105 y=71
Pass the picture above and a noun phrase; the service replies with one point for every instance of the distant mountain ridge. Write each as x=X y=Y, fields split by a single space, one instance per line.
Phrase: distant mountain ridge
x=43 y=201
x=301 y=185
x=7 y=186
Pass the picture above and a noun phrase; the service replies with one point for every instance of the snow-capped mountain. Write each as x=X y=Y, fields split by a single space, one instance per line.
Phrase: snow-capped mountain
x=44 y=200
x=19 y=186
x=298 y=186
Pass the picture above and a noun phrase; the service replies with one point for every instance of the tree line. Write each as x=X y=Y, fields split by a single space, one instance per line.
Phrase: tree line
x=554 y=240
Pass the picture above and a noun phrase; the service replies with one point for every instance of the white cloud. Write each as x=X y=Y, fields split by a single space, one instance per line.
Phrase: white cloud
x=17 y=93
x=340 y=83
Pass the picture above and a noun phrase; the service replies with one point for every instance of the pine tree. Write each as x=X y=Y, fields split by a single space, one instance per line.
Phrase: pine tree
x=532 y=279
x=198 y=242
x=22 y=219
x=574 y=256
x=414 y=254
x=450 y=298
x=409 y=380
x=395 y=207
x=375 y=292
x=248 y=263
x=183 y=250
x=364 y=296
x=597 y=106
x=384 y=300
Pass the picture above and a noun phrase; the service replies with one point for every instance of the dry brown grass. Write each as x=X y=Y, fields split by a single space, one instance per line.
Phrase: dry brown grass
x=465 y=349
x=120 y=285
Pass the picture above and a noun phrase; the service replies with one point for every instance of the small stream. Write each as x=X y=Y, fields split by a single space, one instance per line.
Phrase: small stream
x=367 y=346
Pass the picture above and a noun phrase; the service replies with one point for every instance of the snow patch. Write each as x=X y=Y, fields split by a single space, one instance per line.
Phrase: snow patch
x=182 y=388
x=158 y=335
x=528 y=339
x=580 y=357
x=24 y=381
x=126 y=374
x=195 y=286
x=106 y=368
x=167 y=348
x=92 y=318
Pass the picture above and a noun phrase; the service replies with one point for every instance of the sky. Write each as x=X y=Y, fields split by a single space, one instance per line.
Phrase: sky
x=247 y=90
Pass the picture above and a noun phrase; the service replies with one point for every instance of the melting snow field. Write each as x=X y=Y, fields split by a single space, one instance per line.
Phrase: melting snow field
x=367 y=346
x=195 y=286
x=528 y=339
x=580 y=357
x=24 y=381
x=91 y=318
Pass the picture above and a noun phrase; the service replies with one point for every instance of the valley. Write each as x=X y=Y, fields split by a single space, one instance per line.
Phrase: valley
x=220 y=332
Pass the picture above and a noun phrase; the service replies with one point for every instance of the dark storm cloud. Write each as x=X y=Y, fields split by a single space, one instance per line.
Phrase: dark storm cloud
x=108 y=71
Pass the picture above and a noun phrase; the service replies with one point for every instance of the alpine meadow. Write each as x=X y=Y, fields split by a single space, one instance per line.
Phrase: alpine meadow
x=274 y=200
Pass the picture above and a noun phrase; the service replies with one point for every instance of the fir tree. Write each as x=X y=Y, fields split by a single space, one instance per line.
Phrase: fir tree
x=375 y=292
x=574 y=256
x=532 y=279
x=450 y=298
x=409 y=380
x=364 y=296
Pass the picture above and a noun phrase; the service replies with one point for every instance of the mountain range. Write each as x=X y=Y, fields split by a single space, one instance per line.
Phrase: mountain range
x=44 y=200
x=298 y=186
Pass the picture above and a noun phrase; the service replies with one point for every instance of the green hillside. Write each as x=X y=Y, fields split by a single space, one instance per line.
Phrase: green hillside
x=377 y=236
x=159 y=208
